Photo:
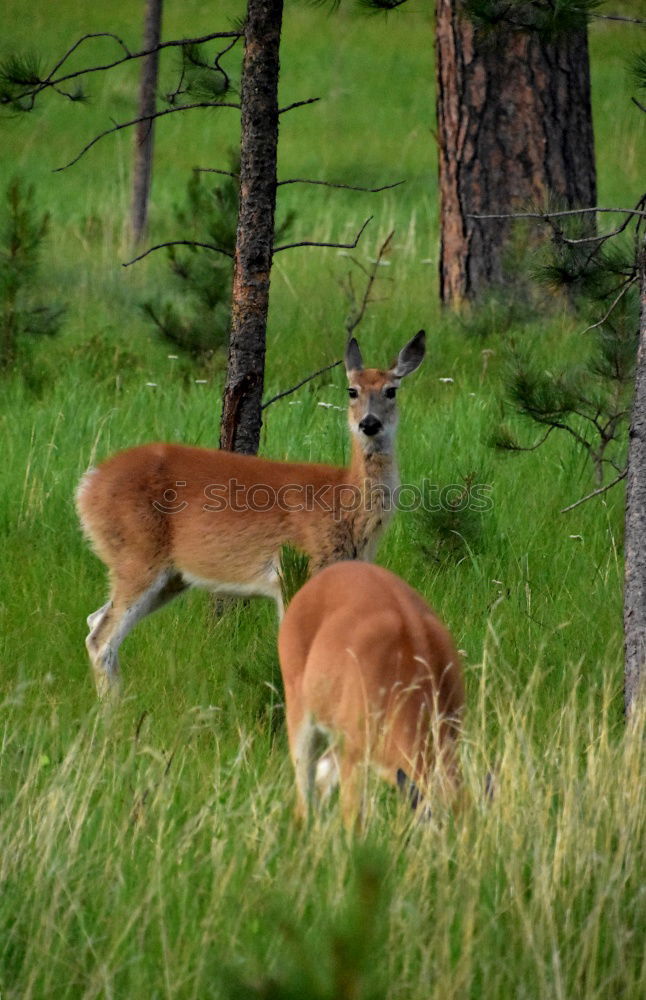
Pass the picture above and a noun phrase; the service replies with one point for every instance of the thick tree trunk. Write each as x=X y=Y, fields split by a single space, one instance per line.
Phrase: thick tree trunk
x=241 y=417
x=144 y=132
x=635 y=537
x=514 y=127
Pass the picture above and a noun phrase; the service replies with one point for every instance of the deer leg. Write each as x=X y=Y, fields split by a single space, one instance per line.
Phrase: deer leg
x=94 y=618
x=306 y=743
x=111 y=624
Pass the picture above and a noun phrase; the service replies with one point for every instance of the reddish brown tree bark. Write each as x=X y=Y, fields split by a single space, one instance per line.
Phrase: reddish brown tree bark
x=241 y=415
x=514 y=126
x=144 y=131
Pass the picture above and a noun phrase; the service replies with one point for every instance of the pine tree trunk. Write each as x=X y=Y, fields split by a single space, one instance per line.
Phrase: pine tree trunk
x=144 y=131
x=241 y=416
x=635 y=535
x=514 y=127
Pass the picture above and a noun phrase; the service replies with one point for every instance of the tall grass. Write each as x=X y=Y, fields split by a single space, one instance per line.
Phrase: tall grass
x=134 y=869
x=151 y=851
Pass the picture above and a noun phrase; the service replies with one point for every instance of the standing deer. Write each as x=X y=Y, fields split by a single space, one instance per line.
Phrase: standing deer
x=371 y=676
x=164 y=517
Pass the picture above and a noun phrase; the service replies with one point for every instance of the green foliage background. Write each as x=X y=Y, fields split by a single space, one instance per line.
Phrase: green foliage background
x=151 y=851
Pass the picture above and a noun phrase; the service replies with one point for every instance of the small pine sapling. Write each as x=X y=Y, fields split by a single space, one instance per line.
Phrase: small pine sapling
x=23 y=231
x=587 y=399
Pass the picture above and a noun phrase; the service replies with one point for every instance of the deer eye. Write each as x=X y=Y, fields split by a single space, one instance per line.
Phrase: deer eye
x=390 y=392
x=353 y=393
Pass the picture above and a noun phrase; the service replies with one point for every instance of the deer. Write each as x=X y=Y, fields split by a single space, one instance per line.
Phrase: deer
x=372 y=680
x=165 y=517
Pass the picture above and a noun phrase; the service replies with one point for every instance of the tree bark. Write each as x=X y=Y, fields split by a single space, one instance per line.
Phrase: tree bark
x=241 y=414
x=635 y=534
x=514 y=127
x=144 y=132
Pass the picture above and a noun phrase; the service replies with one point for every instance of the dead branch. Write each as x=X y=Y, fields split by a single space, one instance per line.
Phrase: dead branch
x=178 y=243
x=617 y=17
x=596 y=493
x=549 y=217
x=214 y=170
x=313 y=243
x=309 y=378
x=352 y=322
x=304 y=180
x=298 y=104
x=347 y=187
x=355 y=318
x=146 y=118
x=546 y=216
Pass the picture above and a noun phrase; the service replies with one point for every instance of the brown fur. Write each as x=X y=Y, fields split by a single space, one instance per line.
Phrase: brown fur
x=146 y=513
x=365 y=660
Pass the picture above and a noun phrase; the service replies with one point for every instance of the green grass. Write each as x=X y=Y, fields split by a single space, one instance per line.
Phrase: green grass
x=151 y=851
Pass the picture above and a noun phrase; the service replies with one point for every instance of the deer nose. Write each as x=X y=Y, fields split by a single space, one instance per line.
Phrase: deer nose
x=370 y=425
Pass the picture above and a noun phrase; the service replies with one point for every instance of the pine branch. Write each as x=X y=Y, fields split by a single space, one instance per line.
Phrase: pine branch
x=201 y=84
x=49 y=80
x=146 y=118
x=509 y=444
x=313 y=243
x=628 y=284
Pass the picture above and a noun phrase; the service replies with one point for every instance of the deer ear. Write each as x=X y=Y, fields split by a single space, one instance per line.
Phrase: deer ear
x=410 y=357
x=353 y=359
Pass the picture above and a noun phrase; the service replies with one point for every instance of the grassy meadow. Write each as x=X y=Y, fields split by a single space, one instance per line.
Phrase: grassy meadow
x=150 y=851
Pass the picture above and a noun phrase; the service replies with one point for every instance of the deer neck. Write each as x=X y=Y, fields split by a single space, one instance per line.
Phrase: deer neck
x=375 y=477
x=365 y=506
x=370 y=471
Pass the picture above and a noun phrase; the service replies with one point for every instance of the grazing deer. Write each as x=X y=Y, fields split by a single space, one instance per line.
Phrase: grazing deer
x=164 y=517
x=371 y=676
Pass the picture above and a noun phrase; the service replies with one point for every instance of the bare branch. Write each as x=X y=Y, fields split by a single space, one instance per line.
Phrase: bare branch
x=546 y=216
x=347 y=187
x=313 y=243
x=146 y=118
x=303 y=180
x=84 y=38
x=298 y=104
x=214 y=170
x=617 y=17
x=309 y=378
x=178 y=243
x=596 y=493
x=353 y=320
x=642 y=107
